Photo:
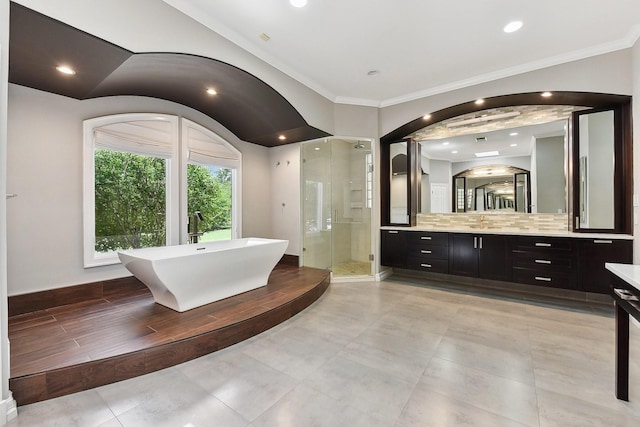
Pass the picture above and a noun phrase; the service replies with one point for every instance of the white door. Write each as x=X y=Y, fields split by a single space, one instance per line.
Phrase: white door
x=439 y=198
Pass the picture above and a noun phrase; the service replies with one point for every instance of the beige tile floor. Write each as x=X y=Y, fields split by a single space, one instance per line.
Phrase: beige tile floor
x=386 y=354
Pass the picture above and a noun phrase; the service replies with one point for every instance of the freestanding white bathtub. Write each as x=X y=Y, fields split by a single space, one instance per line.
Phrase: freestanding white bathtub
x=183 y=277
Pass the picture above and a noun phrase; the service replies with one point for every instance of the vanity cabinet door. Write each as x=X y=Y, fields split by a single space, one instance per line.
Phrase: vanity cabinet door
x=593 y=254
x=494 y=257
x=463 y=254
x=393 y=248
x=480 y=255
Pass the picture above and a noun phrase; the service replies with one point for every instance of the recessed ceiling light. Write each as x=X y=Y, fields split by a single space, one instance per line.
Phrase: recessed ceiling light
x=264 y=37
x=426 y=116
x=298 y=3
x=479 y=101
x=513 y=145
x=513 y=134
x=454 y=152
x=212 y=91
x=282 y=137
x=546 y=94
x=445 y=143
x=512 y=26
x=317 y=148
x=66 y=70
x=487 y=154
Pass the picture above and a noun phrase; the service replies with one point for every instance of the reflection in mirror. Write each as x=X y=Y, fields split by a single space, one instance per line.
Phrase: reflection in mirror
x=523 y=194
x=398 y=191
x=494 y=187
x=533 y=144
x=596 y=170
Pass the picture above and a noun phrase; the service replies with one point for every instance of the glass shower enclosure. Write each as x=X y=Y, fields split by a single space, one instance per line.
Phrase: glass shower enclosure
x=337 y=201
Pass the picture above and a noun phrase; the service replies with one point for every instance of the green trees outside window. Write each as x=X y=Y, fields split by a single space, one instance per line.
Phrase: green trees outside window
x=209 y=191
x=130 y=199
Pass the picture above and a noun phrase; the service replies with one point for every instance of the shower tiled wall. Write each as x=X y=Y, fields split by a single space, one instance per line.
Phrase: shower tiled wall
x=539 y=222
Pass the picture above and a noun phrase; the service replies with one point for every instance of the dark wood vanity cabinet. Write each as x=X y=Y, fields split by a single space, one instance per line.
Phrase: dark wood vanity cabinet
x=487 y=256
x=545 y=261
x=393 y=248
x=593 y=254
x=557 y=262
x=428 y=251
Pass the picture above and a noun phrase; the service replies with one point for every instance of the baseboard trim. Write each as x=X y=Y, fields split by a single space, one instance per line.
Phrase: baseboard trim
x=291 y=260
x=8 y=409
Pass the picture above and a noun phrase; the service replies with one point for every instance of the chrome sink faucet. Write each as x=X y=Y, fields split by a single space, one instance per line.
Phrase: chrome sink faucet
x=193 y=227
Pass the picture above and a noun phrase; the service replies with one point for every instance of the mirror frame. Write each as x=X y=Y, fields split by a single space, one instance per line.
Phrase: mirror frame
x=624 y=162
x=413 y=182
x=623 y=170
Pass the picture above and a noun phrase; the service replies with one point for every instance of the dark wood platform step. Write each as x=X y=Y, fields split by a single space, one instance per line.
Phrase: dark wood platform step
x=120 y=332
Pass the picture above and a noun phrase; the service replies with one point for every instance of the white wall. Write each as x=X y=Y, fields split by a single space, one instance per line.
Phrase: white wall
x=45 y=169
x=284 y=167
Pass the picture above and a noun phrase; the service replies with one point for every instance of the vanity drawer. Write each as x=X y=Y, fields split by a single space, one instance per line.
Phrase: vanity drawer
x=432 y=265
x=428 y=238
x=540 y=244
x=562 y=261
x=428 y=252
x=553 y=279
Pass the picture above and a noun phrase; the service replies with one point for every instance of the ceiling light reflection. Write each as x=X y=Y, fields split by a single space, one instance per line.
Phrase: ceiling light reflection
x=66 y=70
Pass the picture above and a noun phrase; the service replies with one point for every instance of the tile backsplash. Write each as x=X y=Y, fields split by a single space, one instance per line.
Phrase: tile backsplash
x=539 y=222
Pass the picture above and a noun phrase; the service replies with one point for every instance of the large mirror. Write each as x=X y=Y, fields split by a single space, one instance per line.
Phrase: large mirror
x=497 y=170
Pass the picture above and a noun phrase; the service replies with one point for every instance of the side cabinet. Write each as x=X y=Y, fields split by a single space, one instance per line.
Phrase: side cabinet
x=393 y=248
x=487 y=256
x=428 y=251
x=545 y=261
x=593 y=254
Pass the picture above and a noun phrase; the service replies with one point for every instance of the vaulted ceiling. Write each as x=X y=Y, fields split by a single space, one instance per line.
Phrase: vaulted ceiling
x=244 y=104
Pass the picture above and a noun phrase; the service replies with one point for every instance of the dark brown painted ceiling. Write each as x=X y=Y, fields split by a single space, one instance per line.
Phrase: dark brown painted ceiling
x=245 y=105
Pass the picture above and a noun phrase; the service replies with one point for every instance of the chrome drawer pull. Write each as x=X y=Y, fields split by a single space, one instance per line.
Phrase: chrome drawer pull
x=543 y=261
x=603 y=241
x=543 y=245
x=425 y=265
x=392 y=232
x=425 y=252
x=543 y=279
x=425 y=237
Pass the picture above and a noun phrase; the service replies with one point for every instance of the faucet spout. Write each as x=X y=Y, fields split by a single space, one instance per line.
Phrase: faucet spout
x=194 y=234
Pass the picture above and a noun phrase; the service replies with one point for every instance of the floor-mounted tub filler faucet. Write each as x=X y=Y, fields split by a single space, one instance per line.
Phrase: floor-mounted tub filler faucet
x=193 y=227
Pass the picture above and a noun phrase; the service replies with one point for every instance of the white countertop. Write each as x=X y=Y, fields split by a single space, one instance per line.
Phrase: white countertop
x=630 y=273
x=514 y=232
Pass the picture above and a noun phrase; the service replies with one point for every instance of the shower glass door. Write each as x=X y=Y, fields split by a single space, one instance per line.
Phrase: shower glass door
x=337 y=205
x=316 y=204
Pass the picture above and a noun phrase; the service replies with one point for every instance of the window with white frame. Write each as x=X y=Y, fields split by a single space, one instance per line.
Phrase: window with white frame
x=145 y=175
